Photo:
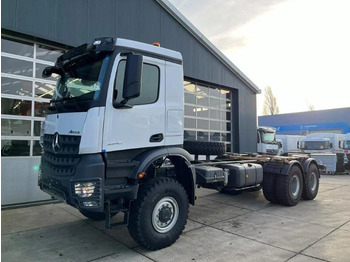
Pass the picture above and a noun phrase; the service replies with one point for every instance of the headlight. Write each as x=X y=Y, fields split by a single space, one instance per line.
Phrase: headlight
x=84 y=189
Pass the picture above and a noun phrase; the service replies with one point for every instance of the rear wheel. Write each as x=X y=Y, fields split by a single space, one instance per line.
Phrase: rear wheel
x=289 y=187
x=159 y=214
x=311 y=183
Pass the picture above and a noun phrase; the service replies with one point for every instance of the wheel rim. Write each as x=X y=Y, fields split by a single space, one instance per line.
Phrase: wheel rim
x=313 y=181
x=165 y=215
x=295 y=186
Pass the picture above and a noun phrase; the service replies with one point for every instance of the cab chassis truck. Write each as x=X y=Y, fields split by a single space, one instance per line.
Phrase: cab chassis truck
x=113 y=143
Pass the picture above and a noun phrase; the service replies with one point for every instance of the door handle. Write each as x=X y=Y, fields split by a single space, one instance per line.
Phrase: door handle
x=156 y=138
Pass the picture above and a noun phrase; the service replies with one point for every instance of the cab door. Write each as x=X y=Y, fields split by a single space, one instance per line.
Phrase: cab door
x=142 y=125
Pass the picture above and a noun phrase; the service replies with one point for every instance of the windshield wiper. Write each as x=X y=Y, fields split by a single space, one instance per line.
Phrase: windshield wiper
x=73 y=98
x=73 y=101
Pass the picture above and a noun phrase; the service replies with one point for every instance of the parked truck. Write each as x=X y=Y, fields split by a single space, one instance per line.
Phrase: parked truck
x=113 y=143
x=288 y=143
x=267 y=143
x=321 y=143
x=345 y=145
x=325 y=148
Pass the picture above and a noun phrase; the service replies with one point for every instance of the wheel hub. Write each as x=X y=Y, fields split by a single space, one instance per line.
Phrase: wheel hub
x=295 y=186
x=313 y=181
x=165 y=215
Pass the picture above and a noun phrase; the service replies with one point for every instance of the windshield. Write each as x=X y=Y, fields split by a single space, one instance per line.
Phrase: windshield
x=314 y=145
x=268 y=138
x=81 y=80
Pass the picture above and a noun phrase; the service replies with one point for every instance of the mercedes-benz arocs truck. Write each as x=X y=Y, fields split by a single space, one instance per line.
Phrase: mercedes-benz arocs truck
x=113 y=143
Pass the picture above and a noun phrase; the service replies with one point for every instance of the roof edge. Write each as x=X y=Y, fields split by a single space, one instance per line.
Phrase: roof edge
x=174 y=12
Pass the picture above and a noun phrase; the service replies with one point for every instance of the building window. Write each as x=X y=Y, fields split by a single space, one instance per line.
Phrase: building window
x=25 y=95
x=207 y=113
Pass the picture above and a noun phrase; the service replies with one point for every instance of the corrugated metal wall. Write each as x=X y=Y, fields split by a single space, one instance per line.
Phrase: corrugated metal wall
x=73 y=22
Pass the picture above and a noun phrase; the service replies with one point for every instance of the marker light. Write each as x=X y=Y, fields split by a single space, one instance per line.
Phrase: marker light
x=156 y=44
x=141 y=175
x=84 y=189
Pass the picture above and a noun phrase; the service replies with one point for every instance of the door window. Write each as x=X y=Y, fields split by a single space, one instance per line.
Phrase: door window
x=149 y=84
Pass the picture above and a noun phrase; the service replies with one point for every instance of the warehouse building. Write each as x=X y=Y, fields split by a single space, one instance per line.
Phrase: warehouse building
x=220 y=101
x=325 y=121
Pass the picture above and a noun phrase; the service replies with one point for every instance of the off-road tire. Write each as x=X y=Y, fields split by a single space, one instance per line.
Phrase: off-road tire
x=269 y=187
x=311 y=183
x=289 y=187
x=142 y=225
x=204 y=147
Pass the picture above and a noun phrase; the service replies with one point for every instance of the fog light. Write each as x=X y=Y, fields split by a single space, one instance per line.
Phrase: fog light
x=84 y=189
x=90 y=204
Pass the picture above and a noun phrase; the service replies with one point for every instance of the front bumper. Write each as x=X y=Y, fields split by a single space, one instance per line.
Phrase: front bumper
x=89 y=168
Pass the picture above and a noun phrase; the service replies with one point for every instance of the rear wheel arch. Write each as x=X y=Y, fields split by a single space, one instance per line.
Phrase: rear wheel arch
x=307 y=164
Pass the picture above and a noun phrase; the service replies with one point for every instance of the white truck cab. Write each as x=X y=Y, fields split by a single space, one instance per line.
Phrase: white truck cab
x=267 y=143
x=321 y=143
x=288 y=143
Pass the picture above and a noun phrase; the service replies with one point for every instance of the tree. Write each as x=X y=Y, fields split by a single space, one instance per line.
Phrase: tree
x=270 y=104
x=311 y=108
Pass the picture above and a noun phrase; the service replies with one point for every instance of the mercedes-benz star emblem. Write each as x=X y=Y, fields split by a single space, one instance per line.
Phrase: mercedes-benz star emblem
x=56 y=143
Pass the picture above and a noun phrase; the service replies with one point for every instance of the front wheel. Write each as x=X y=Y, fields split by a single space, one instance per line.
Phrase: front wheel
x=159 y=214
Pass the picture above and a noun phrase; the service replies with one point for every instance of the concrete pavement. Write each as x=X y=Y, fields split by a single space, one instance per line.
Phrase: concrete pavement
x=221 y=227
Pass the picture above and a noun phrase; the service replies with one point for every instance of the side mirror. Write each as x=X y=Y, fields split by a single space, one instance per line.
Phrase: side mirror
x=47 y=71
x=298 y=145
x=132 y=81
x=330 y=145
x=340 y=145
x=132 y=77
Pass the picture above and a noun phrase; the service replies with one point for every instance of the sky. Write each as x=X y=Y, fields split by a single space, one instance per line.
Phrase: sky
x=300 y=48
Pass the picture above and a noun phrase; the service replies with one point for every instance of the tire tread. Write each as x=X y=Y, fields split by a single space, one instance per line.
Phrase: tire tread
x=138 y=205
